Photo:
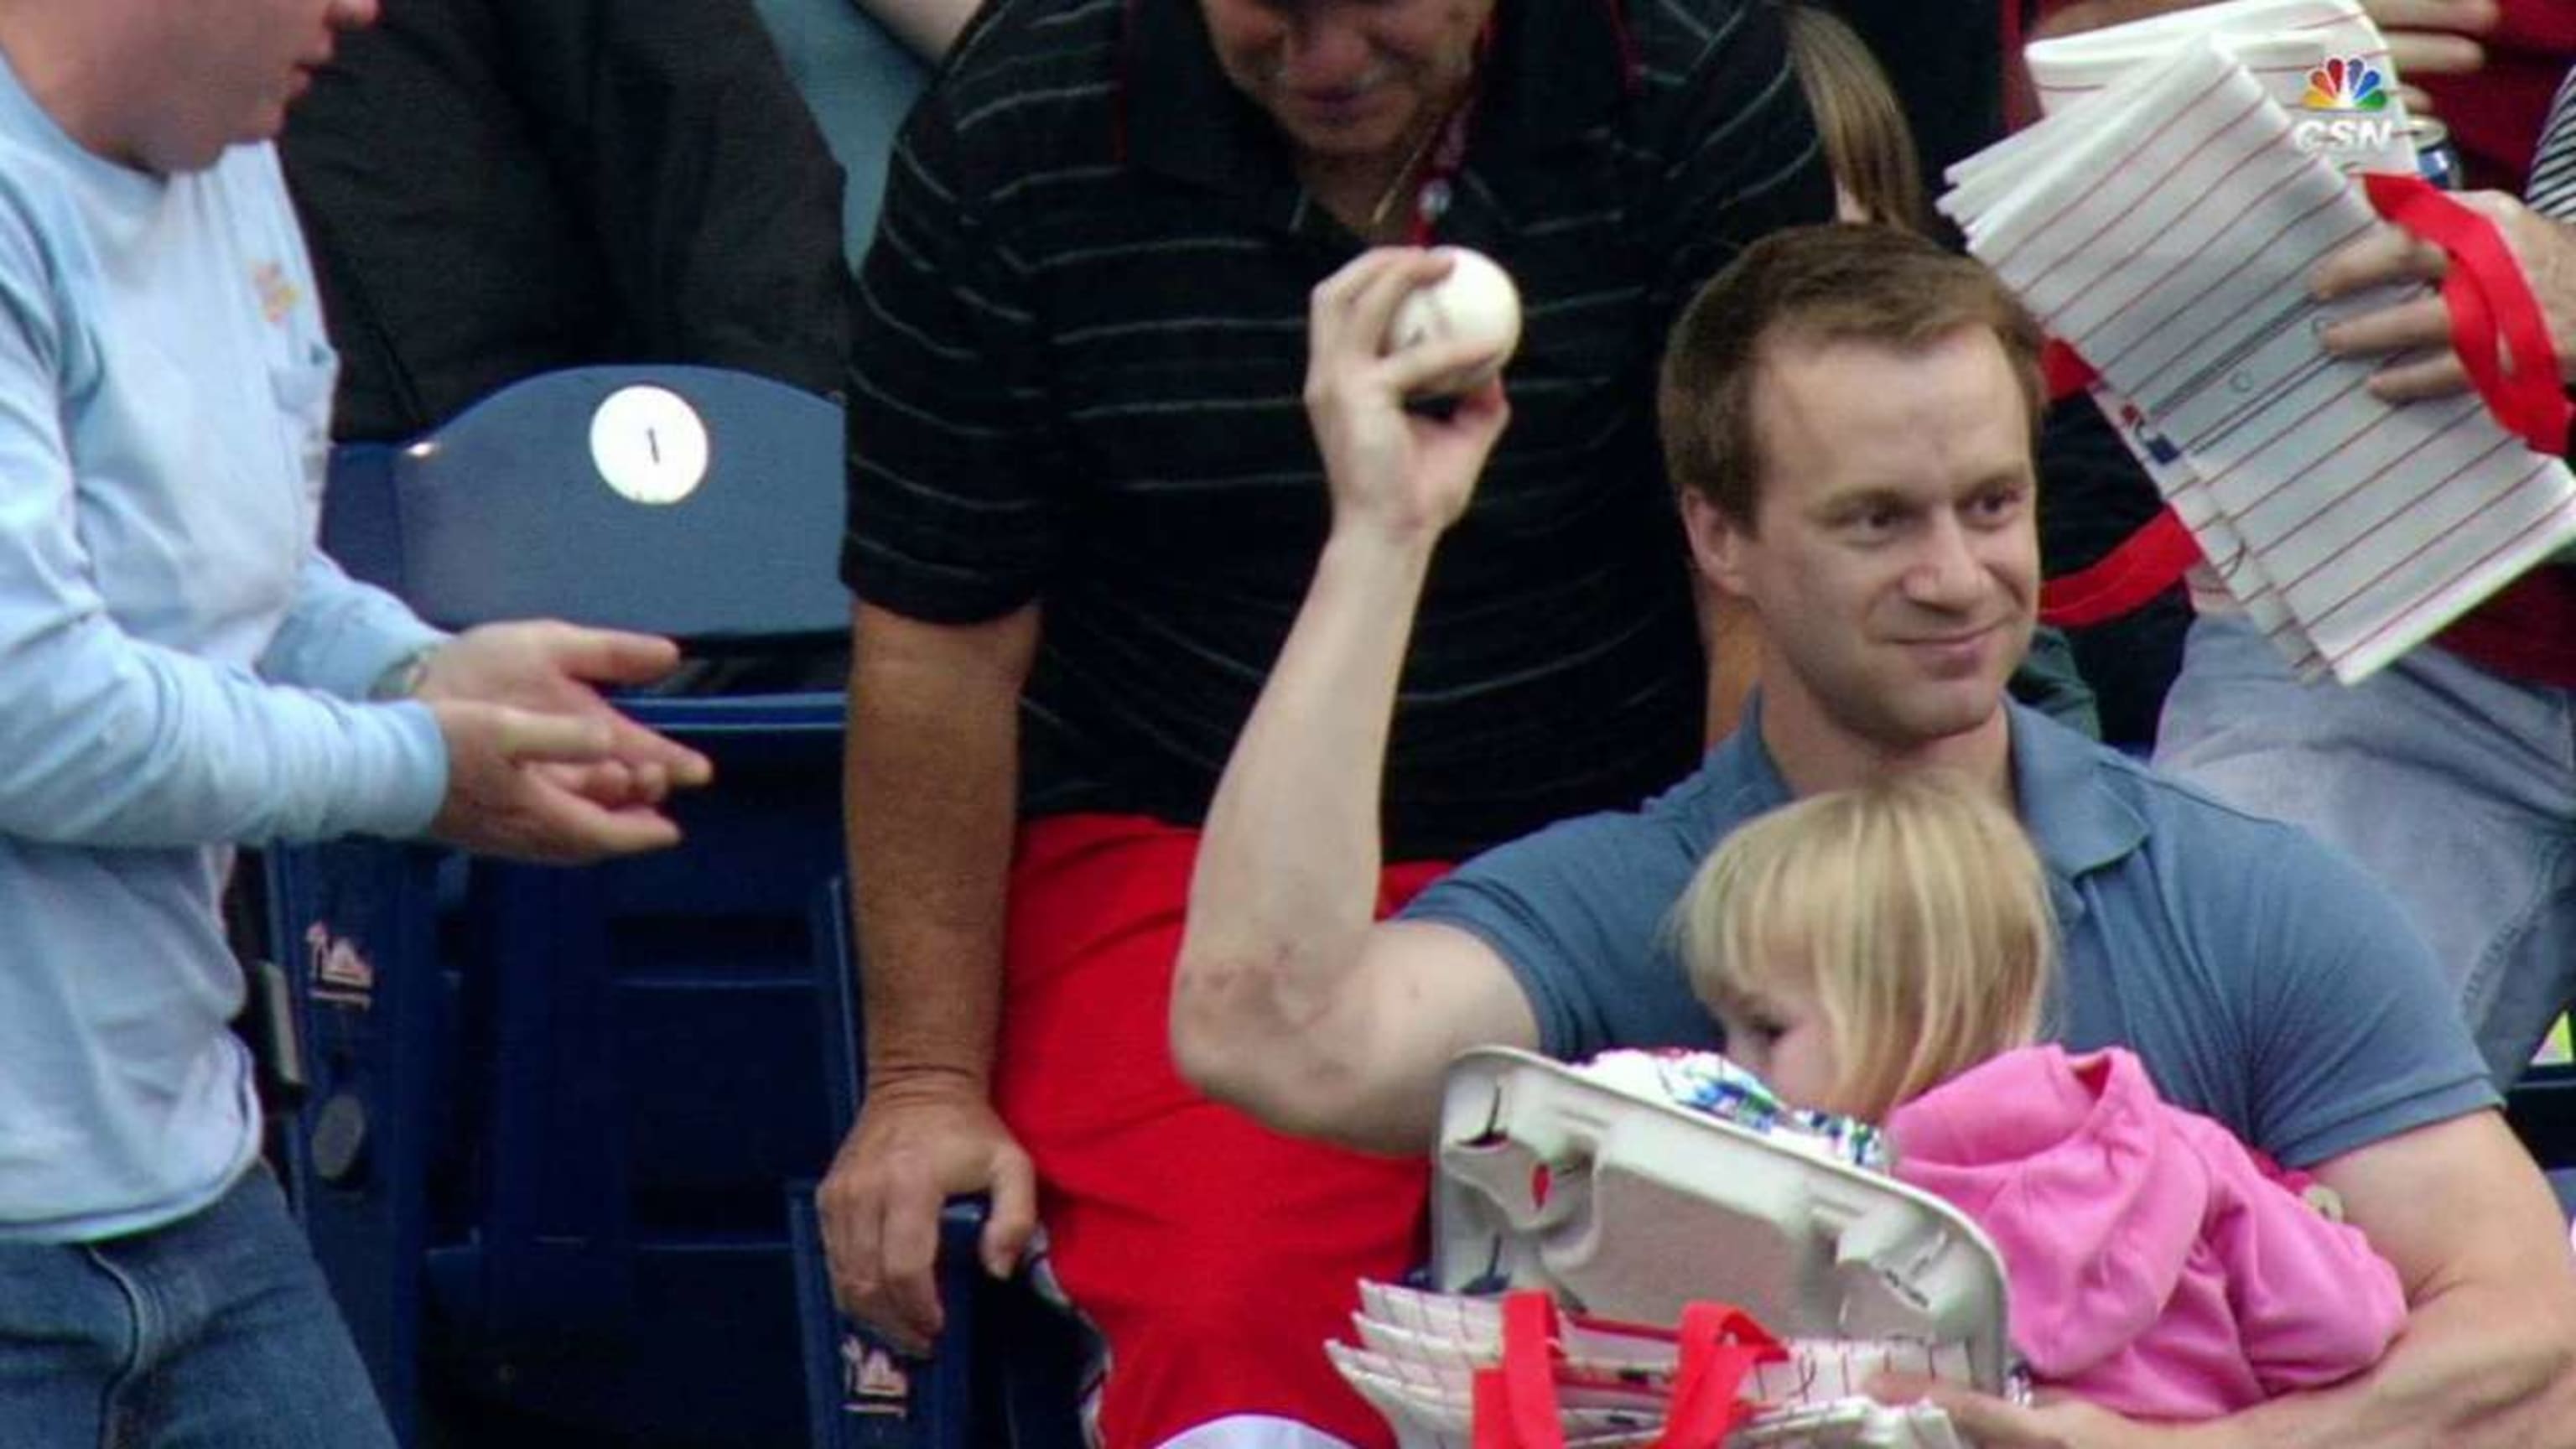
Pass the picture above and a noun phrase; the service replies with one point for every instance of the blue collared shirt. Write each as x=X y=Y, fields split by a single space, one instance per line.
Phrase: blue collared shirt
x=177 y=661
x=2264 y=981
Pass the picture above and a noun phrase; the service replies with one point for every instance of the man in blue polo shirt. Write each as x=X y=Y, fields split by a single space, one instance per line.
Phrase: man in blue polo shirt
x=1848 y=414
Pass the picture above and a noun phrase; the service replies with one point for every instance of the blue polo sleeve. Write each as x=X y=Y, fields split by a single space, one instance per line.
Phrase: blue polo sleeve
x=2355 y=1036
x=1577 y=911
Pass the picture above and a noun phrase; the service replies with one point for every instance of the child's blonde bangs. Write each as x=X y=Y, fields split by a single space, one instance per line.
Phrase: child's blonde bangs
x=1916 y=911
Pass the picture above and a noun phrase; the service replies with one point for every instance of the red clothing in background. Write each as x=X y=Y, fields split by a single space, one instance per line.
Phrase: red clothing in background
x=1166 y=1213
x=2495 y=115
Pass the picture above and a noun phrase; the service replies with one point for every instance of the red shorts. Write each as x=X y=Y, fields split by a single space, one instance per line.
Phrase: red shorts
x=1214 y=1255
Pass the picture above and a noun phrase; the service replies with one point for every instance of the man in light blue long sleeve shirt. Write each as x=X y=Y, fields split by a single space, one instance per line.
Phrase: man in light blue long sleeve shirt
x=182 y=671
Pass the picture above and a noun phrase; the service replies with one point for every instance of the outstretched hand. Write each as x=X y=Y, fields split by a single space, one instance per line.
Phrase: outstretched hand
x=1406 y=471
x=541 y=766
x=557 y=668
x=515 y=787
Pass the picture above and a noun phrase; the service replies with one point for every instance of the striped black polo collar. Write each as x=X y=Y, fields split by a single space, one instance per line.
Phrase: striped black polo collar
x=1559 y=69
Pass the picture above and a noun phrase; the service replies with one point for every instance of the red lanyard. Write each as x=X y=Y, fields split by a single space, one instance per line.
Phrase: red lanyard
x=1432 y=194
x=1439 y=183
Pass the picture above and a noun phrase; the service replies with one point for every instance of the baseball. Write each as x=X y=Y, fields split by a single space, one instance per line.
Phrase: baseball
x=1475 y=302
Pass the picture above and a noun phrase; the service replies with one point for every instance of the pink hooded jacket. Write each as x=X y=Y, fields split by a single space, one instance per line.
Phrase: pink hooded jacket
x=2154 y=1268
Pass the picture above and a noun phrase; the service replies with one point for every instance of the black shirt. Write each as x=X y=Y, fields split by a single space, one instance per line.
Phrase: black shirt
x=1077 y=364
x=496 y=188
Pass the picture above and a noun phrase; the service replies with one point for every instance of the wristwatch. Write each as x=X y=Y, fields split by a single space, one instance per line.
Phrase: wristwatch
x=402 y=678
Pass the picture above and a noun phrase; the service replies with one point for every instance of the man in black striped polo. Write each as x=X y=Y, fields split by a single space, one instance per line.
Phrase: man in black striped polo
x=1085 y=504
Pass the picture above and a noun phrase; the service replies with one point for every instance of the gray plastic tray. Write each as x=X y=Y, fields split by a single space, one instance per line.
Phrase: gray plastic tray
x=1648 y=1205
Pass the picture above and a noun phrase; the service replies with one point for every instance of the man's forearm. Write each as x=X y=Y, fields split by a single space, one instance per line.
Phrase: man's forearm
x=2473 y=1368
x=1287 y=876
x=2491 y=1303
x=930 y=785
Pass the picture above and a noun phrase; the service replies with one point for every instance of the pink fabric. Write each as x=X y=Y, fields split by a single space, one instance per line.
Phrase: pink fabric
x=2153 y=1267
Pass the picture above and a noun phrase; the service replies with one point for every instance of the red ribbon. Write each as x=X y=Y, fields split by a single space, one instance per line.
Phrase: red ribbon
x=1516 y=1404
x=2145 y=564
x=2489 y=300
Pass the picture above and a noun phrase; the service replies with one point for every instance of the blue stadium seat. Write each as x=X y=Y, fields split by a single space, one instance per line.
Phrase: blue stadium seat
x=354 y=926
x=358 y=524
x=504 y=512
x=550 y=1109
x=859 y=1394
x=1007 y=1373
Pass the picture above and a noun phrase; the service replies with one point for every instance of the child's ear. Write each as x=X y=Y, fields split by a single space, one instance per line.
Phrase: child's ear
x=1716 y=543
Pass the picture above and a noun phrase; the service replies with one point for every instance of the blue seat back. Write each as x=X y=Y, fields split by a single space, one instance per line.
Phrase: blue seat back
x=632 y=1029
x=577 y=1092
x=359 y=525
x=533 y=502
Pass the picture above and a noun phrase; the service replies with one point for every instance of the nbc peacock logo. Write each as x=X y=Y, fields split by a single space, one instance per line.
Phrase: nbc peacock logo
x=2347 y=114
x=2346 y=83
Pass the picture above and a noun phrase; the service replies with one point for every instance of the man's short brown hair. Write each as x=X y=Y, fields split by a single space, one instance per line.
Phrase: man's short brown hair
x=1815 y=285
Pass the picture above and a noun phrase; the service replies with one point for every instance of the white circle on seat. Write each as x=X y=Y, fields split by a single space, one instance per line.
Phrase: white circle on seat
x=649 y=445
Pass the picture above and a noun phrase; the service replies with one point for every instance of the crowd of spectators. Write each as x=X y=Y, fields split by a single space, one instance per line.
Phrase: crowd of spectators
x=1233 y=735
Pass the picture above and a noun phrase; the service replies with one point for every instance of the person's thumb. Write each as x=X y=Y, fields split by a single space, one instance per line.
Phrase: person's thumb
x=528 y=736
x=1013 y=1217
x=613 y=656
